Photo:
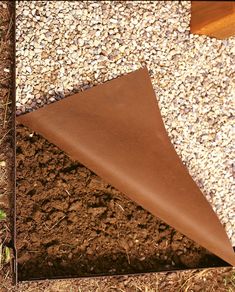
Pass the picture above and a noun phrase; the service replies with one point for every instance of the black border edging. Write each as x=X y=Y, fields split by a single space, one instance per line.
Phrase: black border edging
x=13 y=203
x=14 y=261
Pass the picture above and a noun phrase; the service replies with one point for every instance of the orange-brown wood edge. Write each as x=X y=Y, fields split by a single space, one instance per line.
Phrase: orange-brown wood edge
x=213 y=18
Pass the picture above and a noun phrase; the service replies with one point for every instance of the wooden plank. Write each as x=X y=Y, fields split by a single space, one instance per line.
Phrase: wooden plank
x=213 y=18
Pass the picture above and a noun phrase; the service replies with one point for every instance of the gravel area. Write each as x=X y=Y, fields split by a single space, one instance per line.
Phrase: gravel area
x=68 y=46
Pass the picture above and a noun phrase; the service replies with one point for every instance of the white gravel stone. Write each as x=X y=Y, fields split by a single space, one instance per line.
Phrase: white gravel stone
x=68 y=46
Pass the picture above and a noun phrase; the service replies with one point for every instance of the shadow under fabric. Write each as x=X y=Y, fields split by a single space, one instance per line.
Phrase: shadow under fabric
x=116 y=130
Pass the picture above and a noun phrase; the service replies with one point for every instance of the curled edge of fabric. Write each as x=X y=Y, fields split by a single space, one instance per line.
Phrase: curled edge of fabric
x=116 y=130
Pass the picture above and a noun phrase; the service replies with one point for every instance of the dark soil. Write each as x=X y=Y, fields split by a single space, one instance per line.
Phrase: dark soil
x=72 y=223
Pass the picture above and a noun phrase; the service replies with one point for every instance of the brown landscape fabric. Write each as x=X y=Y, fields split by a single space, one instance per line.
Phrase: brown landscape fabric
x=116 y=130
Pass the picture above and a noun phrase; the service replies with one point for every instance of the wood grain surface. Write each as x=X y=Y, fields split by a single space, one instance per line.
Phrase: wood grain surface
x=213 y=18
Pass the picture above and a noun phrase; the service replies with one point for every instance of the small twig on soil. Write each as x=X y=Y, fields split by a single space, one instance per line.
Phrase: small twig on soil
x=1 y=46
x=68 y=192
x=5 y=112
x=7 y=228
x=4 y=136
x=56 y=223
x=128 y=258
x=1 y=255
x=186 y=282
x=9 y=28
x=7 y=274
x=67 y=244
x=5 y=104
x=120 y=207
x=4 y=286
x=119 y=289
x=3 y=79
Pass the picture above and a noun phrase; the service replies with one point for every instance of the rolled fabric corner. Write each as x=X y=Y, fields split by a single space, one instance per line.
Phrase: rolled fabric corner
x=116 y=130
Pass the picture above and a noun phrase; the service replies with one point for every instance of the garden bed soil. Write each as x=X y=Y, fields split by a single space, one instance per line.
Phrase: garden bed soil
x=71 y=223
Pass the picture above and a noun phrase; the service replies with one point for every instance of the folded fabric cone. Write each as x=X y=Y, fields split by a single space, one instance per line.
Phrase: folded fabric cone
x=116 y=130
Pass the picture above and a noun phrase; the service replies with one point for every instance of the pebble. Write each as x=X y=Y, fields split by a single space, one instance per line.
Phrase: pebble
x=3 y=163
x=61 y=45
x=3 y=5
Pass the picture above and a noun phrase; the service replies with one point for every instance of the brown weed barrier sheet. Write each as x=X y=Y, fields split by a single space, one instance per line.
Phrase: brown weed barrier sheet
x=79 y=224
